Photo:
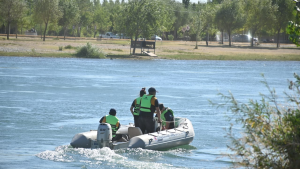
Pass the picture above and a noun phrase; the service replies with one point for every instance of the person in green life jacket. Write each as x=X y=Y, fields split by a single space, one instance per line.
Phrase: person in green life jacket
x=149 y=104
x=114 y=123
x=167 y=117
x=135 y=107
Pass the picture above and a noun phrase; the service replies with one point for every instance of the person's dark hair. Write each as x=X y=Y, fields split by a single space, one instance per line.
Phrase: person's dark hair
x=143 y=91
x=112 y=112
x=152 y=90
x=161 y=106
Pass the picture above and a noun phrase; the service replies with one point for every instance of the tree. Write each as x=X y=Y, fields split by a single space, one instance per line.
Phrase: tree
x=259 y=13
x=182 y=17
x=271 y=135
x=197 y=26
x=293 y=28
x=207 y=16
x=230 y=17
x=143 y=17
x=11 y=10
x=70 y=14
x=100 y=19
x=46 y=11
x=283 y=14
x=85 y=13
x=186 y=3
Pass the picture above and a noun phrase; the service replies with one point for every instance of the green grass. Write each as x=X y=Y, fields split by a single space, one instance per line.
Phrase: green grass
x=231 y=57
x=118 y=50
x=35 y=54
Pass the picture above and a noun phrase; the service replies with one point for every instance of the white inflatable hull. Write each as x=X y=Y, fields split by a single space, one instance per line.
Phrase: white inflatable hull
x=183 y=134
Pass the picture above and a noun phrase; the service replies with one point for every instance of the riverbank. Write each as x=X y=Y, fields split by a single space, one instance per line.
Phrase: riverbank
x=180 y=50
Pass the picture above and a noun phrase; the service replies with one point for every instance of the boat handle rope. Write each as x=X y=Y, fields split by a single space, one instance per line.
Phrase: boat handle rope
x=187 y=133
x=150 y=141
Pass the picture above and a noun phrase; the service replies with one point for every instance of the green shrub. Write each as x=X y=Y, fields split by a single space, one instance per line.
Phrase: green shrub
x=69 y=47
x=60 y=48
x=271 y=135
x=170 y=37
x=89 y=51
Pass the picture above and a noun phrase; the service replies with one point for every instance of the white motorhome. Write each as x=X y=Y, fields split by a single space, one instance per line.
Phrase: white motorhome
x=109 y=35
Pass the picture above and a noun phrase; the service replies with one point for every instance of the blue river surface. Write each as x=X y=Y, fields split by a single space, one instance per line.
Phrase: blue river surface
x=44 y=102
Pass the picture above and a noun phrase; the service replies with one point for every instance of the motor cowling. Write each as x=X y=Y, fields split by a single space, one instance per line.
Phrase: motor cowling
x=104 y=135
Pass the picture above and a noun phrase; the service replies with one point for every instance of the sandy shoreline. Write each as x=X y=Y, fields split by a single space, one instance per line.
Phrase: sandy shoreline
x=164 y=49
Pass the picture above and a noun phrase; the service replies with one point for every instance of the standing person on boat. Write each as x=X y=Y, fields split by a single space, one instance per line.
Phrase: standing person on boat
x=167 y=117
x=149 y=104
x=114 y=123
x=135 y=107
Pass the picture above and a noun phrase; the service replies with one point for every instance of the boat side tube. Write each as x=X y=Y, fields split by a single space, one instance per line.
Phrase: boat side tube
x=181 y=135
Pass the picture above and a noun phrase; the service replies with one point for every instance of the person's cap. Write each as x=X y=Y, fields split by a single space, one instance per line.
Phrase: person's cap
x=152 y=89
x=112 y=111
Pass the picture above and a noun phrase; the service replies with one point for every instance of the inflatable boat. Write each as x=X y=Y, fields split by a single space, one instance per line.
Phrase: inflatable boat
x=182 y=134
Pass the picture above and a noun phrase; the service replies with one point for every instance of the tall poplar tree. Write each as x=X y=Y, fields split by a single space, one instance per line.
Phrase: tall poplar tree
x=143 y=17
x=229 y=17
x=259 y=13
x=11 y=10
x=70 y=14
x=46 y=11
x=283 y=15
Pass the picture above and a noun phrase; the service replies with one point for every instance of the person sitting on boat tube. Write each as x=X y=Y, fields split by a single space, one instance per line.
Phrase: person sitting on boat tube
x=114 y=123
x=167 y=117
x=135 y=107
x=149 y=104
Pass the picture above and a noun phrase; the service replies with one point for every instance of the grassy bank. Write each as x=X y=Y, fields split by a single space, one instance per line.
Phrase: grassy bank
x=120 y=49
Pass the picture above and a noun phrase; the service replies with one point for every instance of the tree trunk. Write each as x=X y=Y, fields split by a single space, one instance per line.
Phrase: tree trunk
x=46 y=24
x=222 y=37
x=196 y=47
x=65 y=33
x=134 y=46
x=136 y=36
x=78 y=31
x=278 y=44
x=207 y=37
x=16 y=31
x=8 y=30
x=229 y=37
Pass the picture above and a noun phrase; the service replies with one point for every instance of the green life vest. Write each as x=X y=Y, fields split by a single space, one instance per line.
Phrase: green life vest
x=146 y=103
x=113 y=121
x=137 y=106
x=162 y=116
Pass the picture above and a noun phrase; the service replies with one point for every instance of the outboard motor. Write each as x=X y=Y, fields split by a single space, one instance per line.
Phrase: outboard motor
x=104 y=135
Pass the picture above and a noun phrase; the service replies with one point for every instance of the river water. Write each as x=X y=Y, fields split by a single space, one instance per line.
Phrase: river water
x=44 y=102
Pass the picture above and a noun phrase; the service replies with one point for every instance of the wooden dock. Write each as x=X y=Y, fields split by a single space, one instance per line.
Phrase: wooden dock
x=149 y=53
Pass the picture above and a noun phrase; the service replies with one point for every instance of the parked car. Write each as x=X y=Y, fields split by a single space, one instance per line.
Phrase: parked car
x=268 y=40
x=241 y=38
x=123 y=36
x=109 y=35
x=155 y=37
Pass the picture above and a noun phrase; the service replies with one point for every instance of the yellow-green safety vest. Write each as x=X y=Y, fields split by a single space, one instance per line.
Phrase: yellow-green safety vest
x=113 y=121
x=136 y=111
x=146 y=103
x=162 y=116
